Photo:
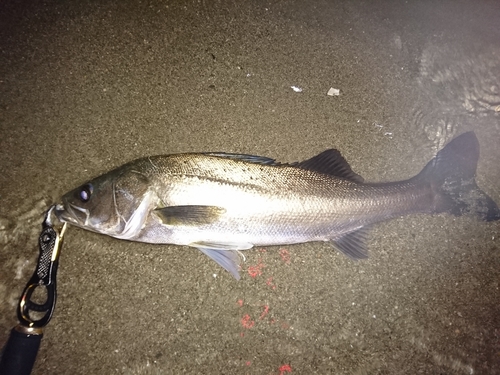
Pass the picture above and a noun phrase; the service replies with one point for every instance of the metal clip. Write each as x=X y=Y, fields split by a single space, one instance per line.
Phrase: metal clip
x=38 y=301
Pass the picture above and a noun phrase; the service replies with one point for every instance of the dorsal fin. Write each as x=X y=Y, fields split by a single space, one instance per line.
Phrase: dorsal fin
x=244 y=157
x=333 y=163
x=328 y=162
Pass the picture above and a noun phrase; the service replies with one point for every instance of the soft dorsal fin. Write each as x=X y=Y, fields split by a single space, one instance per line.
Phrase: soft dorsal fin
x=244 y=157
x=333 y=163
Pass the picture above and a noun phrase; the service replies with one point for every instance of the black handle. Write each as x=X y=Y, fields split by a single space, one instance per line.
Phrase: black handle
x=19 y=354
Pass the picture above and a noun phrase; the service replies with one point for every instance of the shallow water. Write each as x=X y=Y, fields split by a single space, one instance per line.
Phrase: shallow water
x=88 y=86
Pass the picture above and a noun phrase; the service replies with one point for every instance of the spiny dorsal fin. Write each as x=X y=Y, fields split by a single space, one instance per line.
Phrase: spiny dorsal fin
x=333 y=163
x=244 y=157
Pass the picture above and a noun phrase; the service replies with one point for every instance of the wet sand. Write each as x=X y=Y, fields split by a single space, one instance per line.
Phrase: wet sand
x=86 y=86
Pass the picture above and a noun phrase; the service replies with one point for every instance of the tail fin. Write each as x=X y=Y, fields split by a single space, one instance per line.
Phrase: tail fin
x=452 y=177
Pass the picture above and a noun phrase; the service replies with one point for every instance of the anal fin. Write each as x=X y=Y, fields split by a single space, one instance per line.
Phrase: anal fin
x=353 y=244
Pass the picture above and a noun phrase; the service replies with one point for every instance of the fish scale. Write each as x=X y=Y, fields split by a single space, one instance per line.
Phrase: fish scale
x=222 y=203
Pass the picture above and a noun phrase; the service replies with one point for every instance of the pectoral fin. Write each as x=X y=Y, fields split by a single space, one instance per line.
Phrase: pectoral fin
x=228 y=259
x=353 y=244
x=189 y=215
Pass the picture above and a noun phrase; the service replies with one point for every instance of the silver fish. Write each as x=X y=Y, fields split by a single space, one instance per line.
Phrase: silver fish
x=222 y=203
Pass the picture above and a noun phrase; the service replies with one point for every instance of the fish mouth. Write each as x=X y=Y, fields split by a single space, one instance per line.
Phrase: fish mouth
x=72 y=214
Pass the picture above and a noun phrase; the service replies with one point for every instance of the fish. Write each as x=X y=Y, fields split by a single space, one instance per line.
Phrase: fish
x=223 y=203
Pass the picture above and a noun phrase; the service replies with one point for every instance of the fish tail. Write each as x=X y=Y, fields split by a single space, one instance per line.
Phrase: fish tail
x=451 y=175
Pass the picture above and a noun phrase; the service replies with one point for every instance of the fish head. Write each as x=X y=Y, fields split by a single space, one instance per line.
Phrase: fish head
x=115 y=204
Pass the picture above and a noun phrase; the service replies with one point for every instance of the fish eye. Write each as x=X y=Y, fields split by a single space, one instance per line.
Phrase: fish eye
x=85 y=192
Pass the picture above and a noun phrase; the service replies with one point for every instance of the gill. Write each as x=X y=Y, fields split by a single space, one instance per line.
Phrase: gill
x=135 y=222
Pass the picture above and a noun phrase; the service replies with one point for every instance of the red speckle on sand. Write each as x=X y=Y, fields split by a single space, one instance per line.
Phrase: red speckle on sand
x=240 y=302
x=255 y=271
x=285 y=256
x=262 y=251
x=285 y=368
x=248 y=363
x=264 y=313
x=269 y=282
x=247 y=322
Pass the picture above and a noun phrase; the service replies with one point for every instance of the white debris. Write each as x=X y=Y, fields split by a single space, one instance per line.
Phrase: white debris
x=333 y=92
x=296 y=88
